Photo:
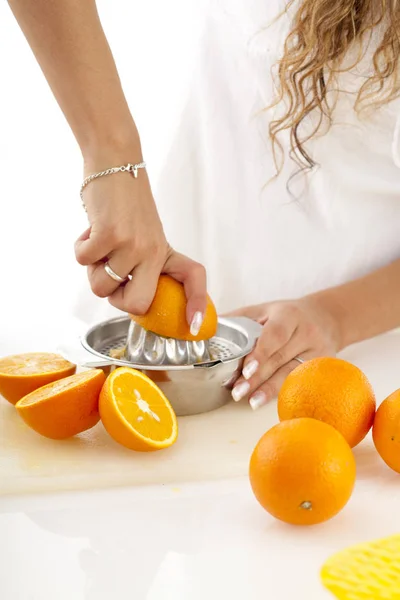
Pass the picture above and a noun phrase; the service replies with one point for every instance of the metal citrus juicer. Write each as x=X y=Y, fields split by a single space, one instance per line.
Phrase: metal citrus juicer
x=196 y=377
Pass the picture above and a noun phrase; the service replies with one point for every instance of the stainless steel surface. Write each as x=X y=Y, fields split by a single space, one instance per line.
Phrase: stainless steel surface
x=146 y=348
x=191 y=388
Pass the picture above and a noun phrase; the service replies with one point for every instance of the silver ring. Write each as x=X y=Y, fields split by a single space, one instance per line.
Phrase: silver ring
x=113 y=274
x=300 y=360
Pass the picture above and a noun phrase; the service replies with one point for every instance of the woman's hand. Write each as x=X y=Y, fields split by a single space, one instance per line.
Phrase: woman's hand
x=70 y=45
x=301 y=328
x=126 y=230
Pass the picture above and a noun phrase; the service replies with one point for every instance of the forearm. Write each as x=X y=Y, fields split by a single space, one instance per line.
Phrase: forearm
x=68 y=41
x=365 y=307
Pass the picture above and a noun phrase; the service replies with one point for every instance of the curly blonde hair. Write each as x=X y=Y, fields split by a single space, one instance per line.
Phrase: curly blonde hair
x=322 y=33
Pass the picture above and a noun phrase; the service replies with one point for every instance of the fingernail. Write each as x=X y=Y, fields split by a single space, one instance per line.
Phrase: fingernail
x=250 y=369
x=240 y=390
x=258 y=400
x=196 y=323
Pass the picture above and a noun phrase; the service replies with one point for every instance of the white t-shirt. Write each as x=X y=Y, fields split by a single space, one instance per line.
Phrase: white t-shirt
x=259 y=242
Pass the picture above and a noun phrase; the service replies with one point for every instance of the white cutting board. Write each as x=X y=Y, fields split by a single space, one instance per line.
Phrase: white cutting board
x=215 y=445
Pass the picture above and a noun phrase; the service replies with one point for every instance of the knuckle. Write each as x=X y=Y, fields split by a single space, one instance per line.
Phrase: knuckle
x=106 y=236
x=138 y=306
x=198 y=268
x=290 y=310
x=156 y=255
x=81 y=257
x=263 y=347
x=278 y=359
x=270 y=390
x=311 y=330
x=193 y=269
x=120 y=237
x=112 y=238
x=322 y=348
x=82 y=254
x=279 y=332
x=98 y=288
x=144 y=249
x=136 y=250
x=121 y=233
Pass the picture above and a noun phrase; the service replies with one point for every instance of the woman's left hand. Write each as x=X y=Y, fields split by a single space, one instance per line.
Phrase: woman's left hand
x=301 y=328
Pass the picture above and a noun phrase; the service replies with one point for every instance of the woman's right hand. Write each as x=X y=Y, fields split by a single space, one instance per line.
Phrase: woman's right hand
x=126 y=230
x=70 y=45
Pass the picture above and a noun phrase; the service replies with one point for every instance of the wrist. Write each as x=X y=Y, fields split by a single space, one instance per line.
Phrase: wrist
x=111 y=148
x=332 y=309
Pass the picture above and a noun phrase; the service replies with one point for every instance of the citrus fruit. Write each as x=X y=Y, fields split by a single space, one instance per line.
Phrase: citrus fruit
x=64 y=408
x=331 y=390
x=386 y=431
x=302 y=471
x=135 y=412
x=167 y=314
x=21 y=374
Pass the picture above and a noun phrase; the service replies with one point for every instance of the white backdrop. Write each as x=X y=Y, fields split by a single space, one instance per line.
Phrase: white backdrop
x=154 y=43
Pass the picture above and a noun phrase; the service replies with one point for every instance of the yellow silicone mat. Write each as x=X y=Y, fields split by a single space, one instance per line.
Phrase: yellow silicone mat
x=369 y=571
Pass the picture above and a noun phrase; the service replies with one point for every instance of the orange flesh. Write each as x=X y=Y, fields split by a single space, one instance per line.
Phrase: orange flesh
x=50 y=390
x=34 y=363
x=141 y=405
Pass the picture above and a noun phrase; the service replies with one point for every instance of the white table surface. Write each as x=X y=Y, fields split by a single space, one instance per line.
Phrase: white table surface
x=192 y=541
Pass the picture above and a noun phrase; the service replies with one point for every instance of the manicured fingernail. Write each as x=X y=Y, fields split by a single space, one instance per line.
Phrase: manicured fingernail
x=258 y=400
x=250 y=369
x=196 y=323
x=240 y=390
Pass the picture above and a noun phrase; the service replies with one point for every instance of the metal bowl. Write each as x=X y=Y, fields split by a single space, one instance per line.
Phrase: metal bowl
x=192 y=388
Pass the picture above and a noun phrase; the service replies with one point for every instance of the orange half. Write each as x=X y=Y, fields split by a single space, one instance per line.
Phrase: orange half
x=21 y=374
x=166 y=316
x=64 y=408
x=135 y=412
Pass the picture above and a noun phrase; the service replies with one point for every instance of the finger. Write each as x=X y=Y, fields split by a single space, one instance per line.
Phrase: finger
x=276 y=334
x=194 y=278
x=91 y=247
x=270 y=389
x=136 y=296
x=253 y=377
x=255 y=373
x=102 y=285
x=122 y=262
x=256 y=313
x=85 y=235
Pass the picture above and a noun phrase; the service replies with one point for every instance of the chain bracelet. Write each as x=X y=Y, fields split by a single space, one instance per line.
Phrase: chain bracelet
x=129 y=168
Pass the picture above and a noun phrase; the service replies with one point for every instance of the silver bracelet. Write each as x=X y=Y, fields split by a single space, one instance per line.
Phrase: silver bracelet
x=129 y=168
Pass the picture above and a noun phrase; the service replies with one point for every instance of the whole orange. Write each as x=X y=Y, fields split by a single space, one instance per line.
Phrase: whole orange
x=302 y=471
x=386 y=431
x=331 y=390
x=167 y=314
